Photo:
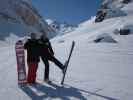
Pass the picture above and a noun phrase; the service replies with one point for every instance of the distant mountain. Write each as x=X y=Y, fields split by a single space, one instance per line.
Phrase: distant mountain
x=60 y=28
x=19 y=17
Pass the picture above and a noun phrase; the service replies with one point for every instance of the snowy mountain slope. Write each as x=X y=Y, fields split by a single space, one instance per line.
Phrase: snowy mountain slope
x=90 y=30
x=20 y=17
x=97 y=71
x=113 y=8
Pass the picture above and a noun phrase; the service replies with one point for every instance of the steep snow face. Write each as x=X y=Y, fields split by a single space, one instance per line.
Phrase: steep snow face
x=60 y=28
x=118 y=6
x=114 y=8
x=89 y=30
x=20 y=17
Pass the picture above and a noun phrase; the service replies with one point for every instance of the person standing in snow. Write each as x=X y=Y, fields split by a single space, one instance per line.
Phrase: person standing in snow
x=46 y=54
x=31 y=46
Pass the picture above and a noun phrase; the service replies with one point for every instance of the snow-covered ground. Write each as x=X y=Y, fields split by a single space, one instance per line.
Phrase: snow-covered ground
x=97 y=71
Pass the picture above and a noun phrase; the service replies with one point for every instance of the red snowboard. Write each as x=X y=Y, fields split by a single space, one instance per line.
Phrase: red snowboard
x=20 y=57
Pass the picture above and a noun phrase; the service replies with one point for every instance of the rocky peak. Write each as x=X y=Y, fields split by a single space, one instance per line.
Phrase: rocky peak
x=111 y=8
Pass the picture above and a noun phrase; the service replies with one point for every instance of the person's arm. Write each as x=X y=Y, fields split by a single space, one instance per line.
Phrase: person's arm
x=26 y=44
x=50 y=47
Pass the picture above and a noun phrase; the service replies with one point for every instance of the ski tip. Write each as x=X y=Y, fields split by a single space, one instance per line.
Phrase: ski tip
x=73 y=41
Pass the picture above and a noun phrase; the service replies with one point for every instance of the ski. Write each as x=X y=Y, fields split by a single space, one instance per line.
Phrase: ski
x=67 y=62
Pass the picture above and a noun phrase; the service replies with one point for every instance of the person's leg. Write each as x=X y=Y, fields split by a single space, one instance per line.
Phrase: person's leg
x=46 y=74
x=56 y=61
x=29 y=76
x=32 y=69
x=35 y=67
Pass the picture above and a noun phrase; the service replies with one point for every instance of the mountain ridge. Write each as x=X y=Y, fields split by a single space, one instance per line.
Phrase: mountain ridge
x=20 y=17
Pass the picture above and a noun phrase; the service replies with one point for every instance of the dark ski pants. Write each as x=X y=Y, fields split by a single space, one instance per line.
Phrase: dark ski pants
x=54 y=60
x=32 y=70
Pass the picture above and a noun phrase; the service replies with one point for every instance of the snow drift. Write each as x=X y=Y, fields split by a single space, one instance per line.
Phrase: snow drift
x=105 y=38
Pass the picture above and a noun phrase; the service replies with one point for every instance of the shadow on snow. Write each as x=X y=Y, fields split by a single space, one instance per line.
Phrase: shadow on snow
x=42 y=92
